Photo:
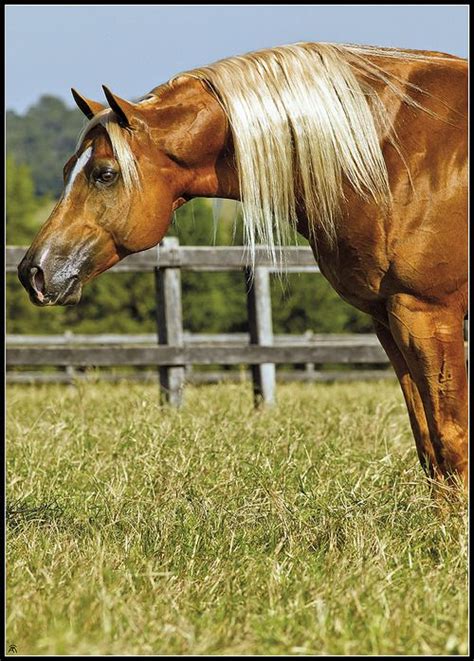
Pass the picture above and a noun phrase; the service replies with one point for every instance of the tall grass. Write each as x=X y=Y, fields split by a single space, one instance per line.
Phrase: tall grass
x=307 y=529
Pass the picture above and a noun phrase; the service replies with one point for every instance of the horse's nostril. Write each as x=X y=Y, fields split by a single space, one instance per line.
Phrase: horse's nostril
x=37 y=279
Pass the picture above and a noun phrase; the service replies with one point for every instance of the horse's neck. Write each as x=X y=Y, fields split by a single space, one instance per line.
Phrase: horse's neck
x=188 y=123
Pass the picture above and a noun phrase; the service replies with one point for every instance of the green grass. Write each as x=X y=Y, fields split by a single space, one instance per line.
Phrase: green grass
x=307 y=529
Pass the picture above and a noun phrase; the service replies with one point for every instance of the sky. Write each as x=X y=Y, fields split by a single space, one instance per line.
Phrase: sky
x=133 y=48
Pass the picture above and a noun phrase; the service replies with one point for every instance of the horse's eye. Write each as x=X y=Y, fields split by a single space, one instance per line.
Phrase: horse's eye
x=104 y=176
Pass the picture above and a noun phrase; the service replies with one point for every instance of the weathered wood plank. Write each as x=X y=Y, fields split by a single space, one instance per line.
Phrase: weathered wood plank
x=259 y=308
x=13 y=256
x=338 y=352
x=192 y=257
x=238 y=339
x=198 y=377
x=170 y=325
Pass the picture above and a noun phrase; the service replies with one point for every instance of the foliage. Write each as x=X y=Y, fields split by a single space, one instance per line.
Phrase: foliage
x=307 y=529
x=44 y=139
x=22 y=204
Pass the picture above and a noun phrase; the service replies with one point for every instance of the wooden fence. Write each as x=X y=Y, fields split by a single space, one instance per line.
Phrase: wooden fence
x=115 y=343
x=176 y=350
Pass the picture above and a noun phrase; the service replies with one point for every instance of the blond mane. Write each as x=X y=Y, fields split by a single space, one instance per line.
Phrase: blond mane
x=302 y=122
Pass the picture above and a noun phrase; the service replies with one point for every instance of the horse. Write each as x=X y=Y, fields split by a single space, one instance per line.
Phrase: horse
x=360 y=149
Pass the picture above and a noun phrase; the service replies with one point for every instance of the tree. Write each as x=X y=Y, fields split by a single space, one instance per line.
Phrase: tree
x=21 y=202
x=44 y=139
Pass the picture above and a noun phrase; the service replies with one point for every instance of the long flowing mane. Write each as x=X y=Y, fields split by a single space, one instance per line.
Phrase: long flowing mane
x=302 y=120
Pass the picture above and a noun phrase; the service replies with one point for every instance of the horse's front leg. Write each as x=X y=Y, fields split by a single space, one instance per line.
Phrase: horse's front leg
x=430 y=337
x=414 y=403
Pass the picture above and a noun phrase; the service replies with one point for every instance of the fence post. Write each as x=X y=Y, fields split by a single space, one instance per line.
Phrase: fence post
x=259 y=306
x=170 y=325
x=70 y=371
x=309 y=367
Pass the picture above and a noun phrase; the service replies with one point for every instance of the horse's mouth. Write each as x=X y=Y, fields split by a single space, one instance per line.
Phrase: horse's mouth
x=70 y=295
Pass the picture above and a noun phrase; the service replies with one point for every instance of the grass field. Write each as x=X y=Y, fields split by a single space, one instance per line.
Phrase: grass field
x=308 y=529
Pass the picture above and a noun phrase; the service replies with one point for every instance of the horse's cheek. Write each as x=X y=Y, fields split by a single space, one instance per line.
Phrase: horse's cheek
x=150 y=223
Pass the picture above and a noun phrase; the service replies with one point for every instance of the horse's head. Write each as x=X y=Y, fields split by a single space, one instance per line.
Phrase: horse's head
x=135 y=163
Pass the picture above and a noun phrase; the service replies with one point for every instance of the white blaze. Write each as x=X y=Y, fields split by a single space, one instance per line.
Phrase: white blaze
x=78 y=167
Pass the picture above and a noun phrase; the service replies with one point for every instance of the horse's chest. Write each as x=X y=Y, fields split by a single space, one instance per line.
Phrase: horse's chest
x=355 y=267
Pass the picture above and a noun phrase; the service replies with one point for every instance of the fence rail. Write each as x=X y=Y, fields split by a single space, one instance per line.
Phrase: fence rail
x=169 y=254
x=179 y=356
x=197 y=377
x=178 y=350
x=205 y=339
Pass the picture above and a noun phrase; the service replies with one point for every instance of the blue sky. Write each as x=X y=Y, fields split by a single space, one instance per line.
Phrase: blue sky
x=133 y=48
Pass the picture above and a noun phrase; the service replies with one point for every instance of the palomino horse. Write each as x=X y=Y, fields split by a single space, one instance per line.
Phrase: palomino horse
x=362 y=150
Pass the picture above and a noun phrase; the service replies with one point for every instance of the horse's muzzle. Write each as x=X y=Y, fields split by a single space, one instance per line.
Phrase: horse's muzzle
x=48 y=289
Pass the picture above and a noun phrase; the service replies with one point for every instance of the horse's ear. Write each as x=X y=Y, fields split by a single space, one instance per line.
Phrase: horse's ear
x=123 y=109
x=88 y=107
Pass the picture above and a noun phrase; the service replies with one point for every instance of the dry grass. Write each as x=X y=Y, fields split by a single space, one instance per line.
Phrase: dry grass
x=307 y=529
